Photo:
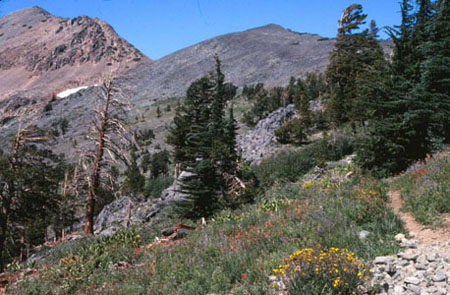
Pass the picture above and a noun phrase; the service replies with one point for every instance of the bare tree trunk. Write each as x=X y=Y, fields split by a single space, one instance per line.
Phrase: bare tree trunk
x=176 y=170
x=3 y=232
x=127 y=219
x=22 y=243
x=95 y=172
x=65 y=185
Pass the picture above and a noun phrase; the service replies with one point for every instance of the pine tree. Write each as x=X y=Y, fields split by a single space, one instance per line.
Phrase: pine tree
x=218 y=102
x=417 y=108
x=203 y=185
x=231 y=157
x=352 y=54
x=158 y=112
x=382 y=151
x=29 y=197
x=134 y=180
x=159 y=164
x=203 y=143
x=177 y=136
x=411 y=118
x=434 y=83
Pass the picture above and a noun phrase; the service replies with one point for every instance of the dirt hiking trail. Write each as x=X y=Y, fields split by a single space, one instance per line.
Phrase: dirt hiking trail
x=422 y=233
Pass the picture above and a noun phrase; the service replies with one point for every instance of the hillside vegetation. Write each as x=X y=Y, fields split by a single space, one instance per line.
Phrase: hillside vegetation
x=425 y=188
x=240 y=251
x=307 y=220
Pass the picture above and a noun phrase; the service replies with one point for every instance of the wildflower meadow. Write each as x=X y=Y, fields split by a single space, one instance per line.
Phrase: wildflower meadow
x=425 y=188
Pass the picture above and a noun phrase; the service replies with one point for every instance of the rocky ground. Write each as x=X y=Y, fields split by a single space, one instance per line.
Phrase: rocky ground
x=423 y=267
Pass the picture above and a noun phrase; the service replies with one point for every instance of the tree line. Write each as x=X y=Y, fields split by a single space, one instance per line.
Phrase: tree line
x=397 y=106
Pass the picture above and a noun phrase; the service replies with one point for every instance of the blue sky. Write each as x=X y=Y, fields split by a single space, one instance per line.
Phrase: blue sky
x=160 y=27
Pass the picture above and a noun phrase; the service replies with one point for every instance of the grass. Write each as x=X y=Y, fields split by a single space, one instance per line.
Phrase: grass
x=290 y=166
x=425 y=188
x=237 y=251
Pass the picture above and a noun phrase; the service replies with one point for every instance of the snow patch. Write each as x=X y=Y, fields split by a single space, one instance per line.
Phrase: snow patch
x=68 y=92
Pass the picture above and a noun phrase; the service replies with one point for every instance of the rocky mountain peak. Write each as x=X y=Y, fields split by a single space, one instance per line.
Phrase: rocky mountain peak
x=270 y=27
x=31 y=11
x=37 y=48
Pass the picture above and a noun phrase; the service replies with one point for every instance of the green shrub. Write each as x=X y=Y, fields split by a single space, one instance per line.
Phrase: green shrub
x=294 y=131
x=323 y=271
x=155 y=186
x=47 y=108
x=291 y=166
x=144 y=136
x=287 y=166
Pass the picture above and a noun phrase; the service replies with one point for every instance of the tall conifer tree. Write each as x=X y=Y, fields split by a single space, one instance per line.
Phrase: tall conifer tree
x=353 y=53
x=204 y=143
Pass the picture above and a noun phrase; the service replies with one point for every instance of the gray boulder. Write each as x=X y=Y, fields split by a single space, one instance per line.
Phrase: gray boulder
x=124 y=212
x=172 y=194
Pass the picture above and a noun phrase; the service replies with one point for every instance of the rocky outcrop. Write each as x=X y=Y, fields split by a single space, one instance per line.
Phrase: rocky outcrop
x=128 y=211
x=260 y=142
x=172 y=193
x=417 y=270
x=124 y=212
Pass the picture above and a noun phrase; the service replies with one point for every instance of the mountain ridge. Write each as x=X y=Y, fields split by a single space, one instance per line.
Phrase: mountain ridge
x=78 y=58
x=40 y=51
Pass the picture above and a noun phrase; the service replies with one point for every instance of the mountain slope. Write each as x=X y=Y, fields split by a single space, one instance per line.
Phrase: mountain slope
x=268 y=54
x=42 y=54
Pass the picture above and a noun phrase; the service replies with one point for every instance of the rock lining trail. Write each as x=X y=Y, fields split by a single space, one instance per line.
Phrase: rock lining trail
x=423 y=267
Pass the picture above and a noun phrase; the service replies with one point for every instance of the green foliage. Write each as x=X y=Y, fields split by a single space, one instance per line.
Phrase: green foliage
x=409 y=101
x=204 y=143
x=335 y=149
x=30 y=200
x=134 y=180
x=299 y=92
x=435 y=70
x=287 y=166
x=250 y=92
x=159 y=164
x=237 y=252
x=290 y=166
x=353 y=54
x=48 y=107
x=265 y=102
x=425 y=188
x=155 y=186
x=293 y=131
